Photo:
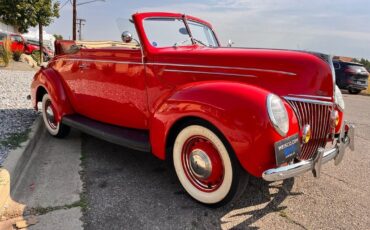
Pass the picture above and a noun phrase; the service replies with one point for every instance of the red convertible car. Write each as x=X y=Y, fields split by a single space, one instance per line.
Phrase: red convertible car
x=218 y=114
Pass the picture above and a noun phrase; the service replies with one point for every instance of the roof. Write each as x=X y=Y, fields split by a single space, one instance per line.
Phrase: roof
x=344 y=59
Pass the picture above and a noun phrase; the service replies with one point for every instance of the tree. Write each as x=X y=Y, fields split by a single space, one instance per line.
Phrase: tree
x=16 y=13
x=58 y=36
x=363 y=61
x=42 y=15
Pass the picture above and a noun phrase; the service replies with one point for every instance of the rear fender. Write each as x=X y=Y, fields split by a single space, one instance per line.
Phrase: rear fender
x=49 y=80
x=237 y=110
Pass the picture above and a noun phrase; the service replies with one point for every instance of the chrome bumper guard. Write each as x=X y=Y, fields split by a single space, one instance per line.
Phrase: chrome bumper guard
x=345 y=139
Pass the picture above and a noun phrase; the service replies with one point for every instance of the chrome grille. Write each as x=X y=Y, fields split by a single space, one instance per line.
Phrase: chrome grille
x=318 y=117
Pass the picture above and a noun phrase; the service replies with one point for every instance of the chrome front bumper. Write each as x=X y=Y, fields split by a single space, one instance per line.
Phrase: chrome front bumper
x=345 y=139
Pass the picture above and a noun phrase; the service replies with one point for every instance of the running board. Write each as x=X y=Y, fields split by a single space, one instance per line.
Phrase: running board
x=130 y=138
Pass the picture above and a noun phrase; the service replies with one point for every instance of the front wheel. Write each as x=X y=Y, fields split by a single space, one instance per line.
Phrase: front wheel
x=354 y=91
x=206 y=167
x=56 y=129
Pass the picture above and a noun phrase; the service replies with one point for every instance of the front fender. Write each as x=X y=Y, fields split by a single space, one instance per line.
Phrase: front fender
x=237 y=110
x=50 y=80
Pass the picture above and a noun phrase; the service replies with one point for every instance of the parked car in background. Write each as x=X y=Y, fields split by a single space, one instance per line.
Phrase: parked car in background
x=351 y=76
x=218 y=114
x=20 y=44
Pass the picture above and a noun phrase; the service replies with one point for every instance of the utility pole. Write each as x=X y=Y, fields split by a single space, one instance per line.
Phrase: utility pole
x=74 y=5
x=74 y=20
x=80 y=23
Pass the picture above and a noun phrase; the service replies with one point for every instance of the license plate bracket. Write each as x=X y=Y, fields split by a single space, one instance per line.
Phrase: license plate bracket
x=287 y=149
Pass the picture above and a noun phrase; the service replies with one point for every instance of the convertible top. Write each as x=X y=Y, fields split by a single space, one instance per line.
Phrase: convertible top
x=69 y=46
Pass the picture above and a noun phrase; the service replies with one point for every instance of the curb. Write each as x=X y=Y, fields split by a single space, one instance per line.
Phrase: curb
x=17 y=159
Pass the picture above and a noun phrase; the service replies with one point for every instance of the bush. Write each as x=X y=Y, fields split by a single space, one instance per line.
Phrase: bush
x=6 y=53
x=36 y=56
x=17 y=55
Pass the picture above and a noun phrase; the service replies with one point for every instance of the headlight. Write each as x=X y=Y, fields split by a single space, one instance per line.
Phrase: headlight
x=278 y=114
x=338 y=98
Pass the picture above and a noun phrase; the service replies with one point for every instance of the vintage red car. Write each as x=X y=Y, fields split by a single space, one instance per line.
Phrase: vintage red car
x=219 y=114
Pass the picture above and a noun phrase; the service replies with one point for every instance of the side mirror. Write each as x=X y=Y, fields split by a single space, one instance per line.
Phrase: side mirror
x=230 y=43
x=126 y=37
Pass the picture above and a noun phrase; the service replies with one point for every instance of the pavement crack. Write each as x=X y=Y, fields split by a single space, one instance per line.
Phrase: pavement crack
x=44 y=210
x=83 y=194
x=285 y=215
x=334 y=177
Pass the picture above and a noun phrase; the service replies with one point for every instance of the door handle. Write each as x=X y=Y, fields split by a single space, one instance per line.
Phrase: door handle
x=84 y=66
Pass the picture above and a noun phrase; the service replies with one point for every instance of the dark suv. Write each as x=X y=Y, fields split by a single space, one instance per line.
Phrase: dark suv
x=351 y=76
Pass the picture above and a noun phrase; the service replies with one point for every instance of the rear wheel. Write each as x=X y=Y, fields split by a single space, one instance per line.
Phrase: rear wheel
x=354 y=91
x=56 y=129
x=206 y=167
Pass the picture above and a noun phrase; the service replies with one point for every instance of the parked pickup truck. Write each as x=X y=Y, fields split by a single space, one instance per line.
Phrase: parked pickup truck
x=218 y=114
x=19 y=43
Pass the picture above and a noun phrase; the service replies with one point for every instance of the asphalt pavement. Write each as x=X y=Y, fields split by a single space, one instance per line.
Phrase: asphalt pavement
x=126 y=189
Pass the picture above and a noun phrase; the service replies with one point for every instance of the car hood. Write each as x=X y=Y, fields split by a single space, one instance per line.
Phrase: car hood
x=284 y=72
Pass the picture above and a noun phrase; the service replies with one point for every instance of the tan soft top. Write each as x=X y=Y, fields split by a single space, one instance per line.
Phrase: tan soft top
x=106 y=44
x=71 y=47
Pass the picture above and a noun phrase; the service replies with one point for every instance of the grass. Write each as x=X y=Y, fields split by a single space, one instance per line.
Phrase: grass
x=368 y=87
x=45 y=210
x=15 y=139
x=5 y=52
x=36 y=56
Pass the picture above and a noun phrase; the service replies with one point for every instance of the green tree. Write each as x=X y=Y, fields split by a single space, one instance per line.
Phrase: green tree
x=15 y=13
x=363 y=61
x=42 y=15
x=58 y=36
x=24 y=14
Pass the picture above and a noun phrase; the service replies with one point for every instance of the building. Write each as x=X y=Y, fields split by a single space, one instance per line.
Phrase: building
x=345 y=59
x=7 y=28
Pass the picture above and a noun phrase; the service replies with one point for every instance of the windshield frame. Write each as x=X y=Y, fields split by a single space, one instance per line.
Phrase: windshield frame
x=185 y=20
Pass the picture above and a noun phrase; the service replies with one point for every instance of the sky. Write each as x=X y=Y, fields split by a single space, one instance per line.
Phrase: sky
x=340 y=27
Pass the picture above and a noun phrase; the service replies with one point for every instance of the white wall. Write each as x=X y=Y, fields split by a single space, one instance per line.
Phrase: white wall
x=6 y=28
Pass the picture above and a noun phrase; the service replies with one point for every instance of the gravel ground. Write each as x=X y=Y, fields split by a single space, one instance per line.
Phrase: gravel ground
x=16 y=113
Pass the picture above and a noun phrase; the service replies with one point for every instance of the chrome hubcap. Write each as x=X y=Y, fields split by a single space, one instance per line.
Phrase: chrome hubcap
x=200 y=164
x=50 y=115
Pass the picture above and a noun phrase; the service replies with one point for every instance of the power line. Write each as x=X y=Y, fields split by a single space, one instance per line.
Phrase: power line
x=64 y=4
x=91 y=1
x=74 y=14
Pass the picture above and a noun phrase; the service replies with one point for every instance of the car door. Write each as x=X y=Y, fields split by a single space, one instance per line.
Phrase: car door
x=111 y=86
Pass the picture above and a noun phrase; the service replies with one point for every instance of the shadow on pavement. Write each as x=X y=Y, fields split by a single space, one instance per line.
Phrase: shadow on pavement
x=130 y=189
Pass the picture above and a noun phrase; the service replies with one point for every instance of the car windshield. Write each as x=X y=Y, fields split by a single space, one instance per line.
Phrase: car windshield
x=166 y=32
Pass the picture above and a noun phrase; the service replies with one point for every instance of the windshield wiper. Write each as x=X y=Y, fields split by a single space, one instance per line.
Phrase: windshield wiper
x=194 y=39
x=200 y=42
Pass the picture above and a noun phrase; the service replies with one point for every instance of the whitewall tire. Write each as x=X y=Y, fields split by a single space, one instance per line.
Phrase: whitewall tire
x=54 y=128
x=206 y=168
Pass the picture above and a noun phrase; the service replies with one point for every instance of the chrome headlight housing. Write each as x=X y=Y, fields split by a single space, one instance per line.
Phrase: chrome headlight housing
x=278 y=114
x=338 y=98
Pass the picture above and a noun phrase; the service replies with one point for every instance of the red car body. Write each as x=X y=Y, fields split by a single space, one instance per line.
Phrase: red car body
x=156 y=89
